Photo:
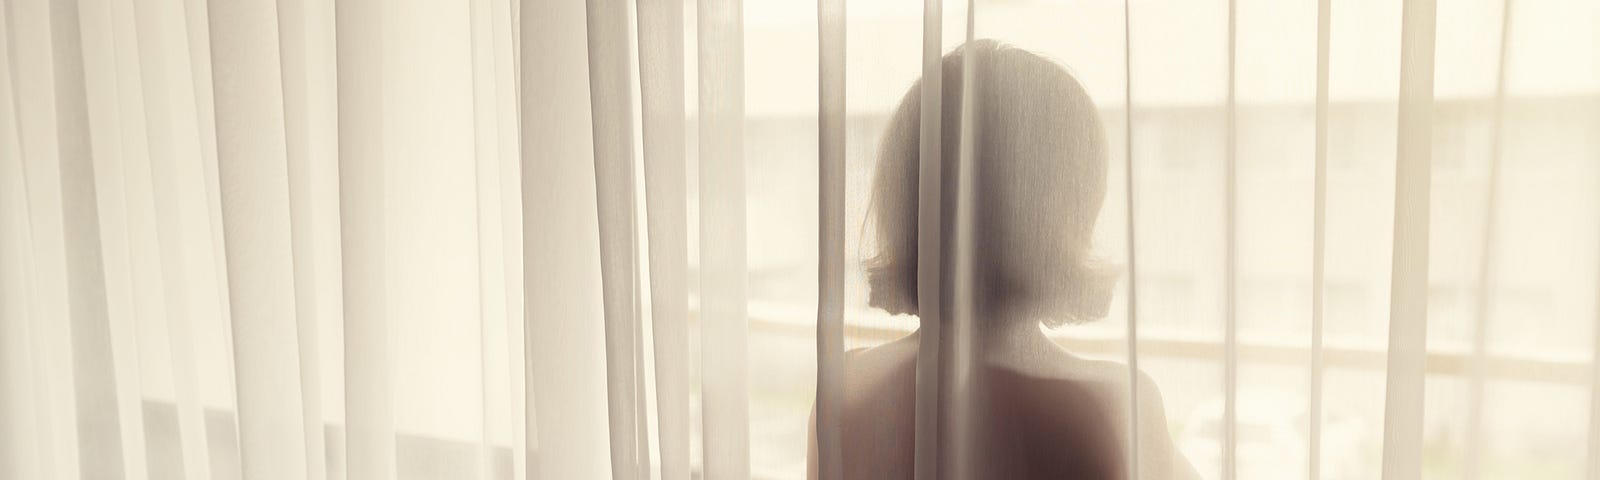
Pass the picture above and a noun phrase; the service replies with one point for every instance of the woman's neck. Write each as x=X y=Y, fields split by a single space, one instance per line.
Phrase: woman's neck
x=1018 y=337
x=1009 y=338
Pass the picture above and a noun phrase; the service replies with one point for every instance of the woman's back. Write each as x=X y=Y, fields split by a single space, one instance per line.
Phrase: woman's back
x=1037 y=413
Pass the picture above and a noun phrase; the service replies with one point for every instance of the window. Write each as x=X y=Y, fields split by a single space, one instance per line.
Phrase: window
x=1179 y=142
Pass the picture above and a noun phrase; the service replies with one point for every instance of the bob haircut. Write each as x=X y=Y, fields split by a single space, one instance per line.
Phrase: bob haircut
x=1040 y=165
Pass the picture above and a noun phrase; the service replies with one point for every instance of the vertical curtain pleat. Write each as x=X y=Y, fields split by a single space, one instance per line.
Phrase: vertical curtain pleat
x=486 y=169
x=506 y=77
x=198 y=35
x=198 y=28
x=1319 y=237
x=661 y=86
x=565 y=353
x=164 y=177
x=1408 y=310
x=929 y=238
x=1230 y=301
x=959 y=357
x=253 y=169
x=50 y=342
x=831 y=242
x=1132 y=334
x=516 y=46
x=116 y=141
x=641 y=409
x=20 y=456
x=369 y=412
x=171 y=149
x=610 y=104
x=1592 y=462
x=322 y=176
x=304 y=29
x=1487 y=267
x=144 y=274
x=194 y=122
x=725 y=408
x=101 y=418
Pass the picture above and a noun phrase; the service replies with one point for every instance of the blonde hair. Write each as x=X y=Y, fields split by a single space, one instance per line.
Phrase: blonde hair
x=1040 y=165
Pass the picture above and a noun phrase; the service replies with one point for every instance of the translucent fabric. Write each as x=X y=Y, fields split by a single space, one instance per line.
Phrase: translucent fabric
x=1223 y=239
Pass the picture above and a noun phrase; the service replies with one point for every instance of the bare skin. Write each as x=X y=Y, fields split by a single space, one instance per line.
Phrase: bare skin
x=1043 y=413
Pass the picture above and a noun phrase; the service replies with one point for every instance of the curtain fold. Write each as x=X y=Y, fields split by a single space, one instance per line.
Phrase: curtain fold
x=1487 y=261
x=363 y=65
x=609 y=99
x=172 y=147
x=116 y=140
x=831 y=120
x=1408 y=315
x=961 y=366
x=300 y=56
x=1230 y=334
x=107 y=428
x=30 y=23
x=254 y=179
x=150 y=313
x=725 y=409
x=20 y=455
x=508 y=152
x=661 y=85
x=198 y=33
x=371 y=240
x=1319 y=240
x=1592 y=452
x=305 y=44
x=566 y=354
x=491 y=301
x=930 y=276
x=1131 y=334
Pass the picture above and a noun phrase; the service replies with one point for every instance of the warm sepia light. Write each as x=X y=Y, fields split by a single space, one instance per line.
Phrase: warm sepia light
x=363 y=239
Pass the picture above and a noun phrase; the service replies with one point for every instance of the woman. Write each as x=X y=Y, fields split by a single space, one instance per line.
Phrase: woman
x=1035 y=409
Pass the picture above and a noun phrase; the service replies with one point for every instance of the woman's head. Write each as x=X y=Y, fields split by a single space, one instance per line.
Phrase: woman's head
x=1039 y=156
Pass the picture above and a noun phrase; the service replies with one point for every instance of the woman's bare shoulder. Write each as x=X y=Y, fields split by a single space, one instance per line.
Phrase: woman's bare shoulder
x=881 y=363
x=893 y=353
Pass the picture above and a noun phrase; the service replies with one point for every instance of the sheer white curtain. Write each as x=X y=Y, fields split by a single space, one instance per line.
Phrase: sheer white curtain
x=553 y=239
